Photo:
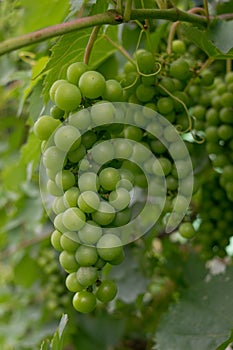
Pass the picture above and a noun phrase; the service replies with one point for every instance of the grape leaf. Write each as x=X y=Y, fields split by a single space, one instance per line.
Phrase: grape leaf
x=202 y=319
x=70 y=48
x=204 y=40
x=221 y=35
x=58 y=337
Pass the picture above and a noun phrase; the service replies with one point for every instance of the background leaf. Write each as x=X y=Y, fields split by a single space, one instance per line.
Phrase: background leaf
x=221 y=35
x=202 y=319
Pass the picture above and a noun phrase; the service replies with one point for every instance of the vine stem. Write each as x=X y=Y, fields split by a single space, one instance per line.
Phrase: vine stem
x=207 y=11
x=128 y=9
x=90 y=44
x=111 y=17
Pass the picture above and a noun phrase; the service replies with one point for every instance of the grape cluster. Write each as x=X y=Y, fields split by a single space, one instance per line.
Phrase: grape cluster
x=214 y=115
x=215 y=213
x=54 y=291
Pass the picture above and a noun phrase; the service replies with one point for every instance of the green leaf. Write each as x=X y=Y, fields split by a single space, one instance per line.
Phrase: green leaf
x=58 y=337
x=70 y=48
x=204 y=40
x=202 y=319
x=26 y=271
x=31 y=152
x=227 y=342
x=221 y=35
x=43 y=13
x=45 y=345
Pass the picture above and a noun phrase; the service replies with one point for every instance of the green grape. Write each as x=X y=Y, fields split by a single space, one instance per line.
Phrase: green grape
x=140 y=153
x=84 y=302
x=145 y=93
x=109 y=247
x=58 y=205
x=199 y=112
x=76 y=155
x=80 y=119
x=162 y=166
x=225 y=115
x=113 y=91
x=227 y=99
x=53 y=189
x=104 y=215
x=225 y=132
x=180 y=204
x=122 y=217
x=69 y=241
x=179 y=69
x=75 y=70
x=88 y=139
x=70 y=197
x=133 y=133
x=92 y=84
x=106 y=291
x=87 y=275
x=186 y=230
x=166 y=83
x=165 y=105
x=67 y=138
x=123 y=148
x=207 y=78
x=68 y=261
x=102 y=113
x=178 y=46
x=88 y=181
x=72 y=283
x=86 y=255
x=55 y=240
x=88 y=201
x=119 y=199
x=212 y=134
x=45 y=126
x=58 y=223
x=145 y=61
x=67 y=97
x=65 y=179
x=56 y=112
x=109 y=178
x=54 y=87
x=73 y=219
x=54 y=159
x=103 y=152
x=90 y=233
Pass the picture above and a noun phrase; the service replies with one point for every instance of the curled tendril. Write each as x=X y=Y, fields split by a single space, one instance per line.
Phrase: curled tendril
x=133 y=83
x=183 y=104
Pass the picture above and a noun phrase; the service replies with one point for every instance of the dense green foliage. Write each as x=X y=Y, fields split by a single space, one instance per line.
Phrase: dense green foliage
x=116 y=175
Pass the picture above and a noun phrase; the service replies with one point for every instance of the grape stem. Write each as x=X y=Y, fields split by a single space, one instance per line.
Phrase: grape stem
x=127 y=11
x=90 y=44
x=111 y=17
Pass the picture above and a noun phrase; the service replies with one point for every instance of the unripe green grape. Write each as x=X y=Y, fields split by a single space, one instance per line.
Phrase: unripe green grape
x=92 y=84
x=65 y=179
x=54 y=159
x=199 y=112
x=88 y=139
x=186 y=230
x=54 y=87
x=76 y=155
x=162 y=166
x=103 y=113
x=75 y=70
x=58 y=223
x=106 y=291
x=70 y=197
x=104 y=215
x=56 y=112
x=88 y=201
x=207 y=78
x=90 y=233
x=179 y=69
x=145 y=93
x=113 y=91
x=88 y=181
x=227 y=99
x=181 y=95
x=225 y=115
x=53 y=189
x=180 y=204
x=73 y=219
x=55 y=240
x=168 y=84
x=72 y=283
x=67 y=97
x=86 y=255
x=119 y=199
x=87 y=275
x=133 y=133
x=157 y=147
x=69 y=241
x=58 y=205
x=145 y=61
x=67 y=138
x=109 y=247
x=122 y=217
x=129 y=67
x=165 y=105
x=84 y=302
x=103 y=152
x=212 y=116
x=68 y=261
x=212 y=134
x=178 y=46
x=109 y=178
x=80 y=119
x=225 y=132
x=123 y=148
x=45 y=126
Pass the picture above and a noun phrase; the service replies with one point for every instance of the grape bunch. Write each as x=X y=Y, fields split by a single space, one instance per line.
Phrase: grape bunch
x=215 y=215
x=54 y=291
x=214 y=114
